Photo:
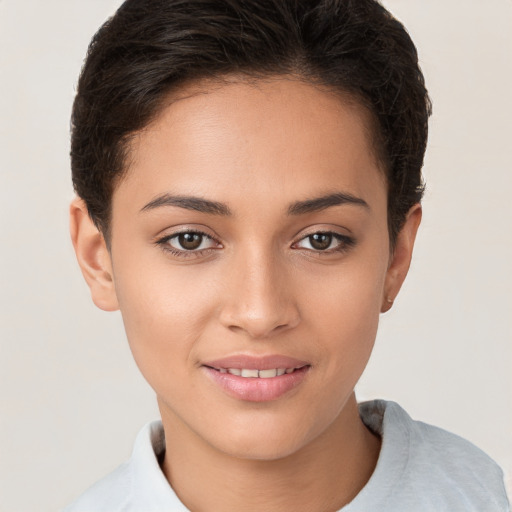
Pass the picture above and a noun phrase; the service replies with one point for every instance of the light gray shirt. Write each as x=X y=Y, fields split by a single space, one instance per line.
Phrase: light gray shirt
x=420 y=468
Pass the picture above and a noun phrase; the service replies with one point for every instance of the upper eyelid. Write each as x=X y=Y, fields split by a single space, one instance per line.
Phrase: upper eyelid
x=324 y=227
x=163 y=239
x=163 y=243
x=346 y=239
x=213 y=237
x=178 y=232
x=331 y=231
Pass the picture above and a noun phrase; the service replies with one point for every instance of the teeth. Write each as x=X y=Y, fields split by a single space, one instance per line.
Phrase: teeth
x=262 y=374
x=267 y=374
x=249 y=373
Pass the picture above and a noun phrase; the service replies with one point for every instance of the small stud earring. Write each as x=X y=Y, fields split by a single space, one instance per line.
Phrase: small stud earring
x=390 y=300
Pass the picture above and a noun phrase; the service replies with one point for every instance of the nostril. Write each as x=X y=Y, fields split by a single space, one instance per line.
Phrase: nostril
x=258 y=302
x=260 y=328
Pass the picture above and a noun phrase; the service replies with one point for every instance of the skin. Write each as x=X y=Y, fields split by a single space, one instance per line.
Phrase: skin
x=257 y=286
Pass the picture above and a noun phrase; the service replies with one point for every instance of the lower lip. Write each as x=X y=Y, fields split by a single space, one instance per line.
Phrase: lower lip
x=257 y=389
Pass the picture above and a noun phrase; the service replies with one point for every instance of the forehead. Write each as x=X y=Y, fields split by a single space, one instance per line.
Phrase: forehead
x=253 y=138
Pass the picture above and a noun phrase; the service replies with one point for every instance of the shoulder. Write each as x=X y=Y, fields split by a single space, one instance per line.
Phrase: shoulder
x=110 y=494
x=139 y=484
x=430 y=468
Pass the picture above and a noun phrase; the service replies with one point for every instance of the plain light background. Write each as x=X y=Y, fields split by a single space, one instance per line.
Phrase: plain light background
x=71 y=398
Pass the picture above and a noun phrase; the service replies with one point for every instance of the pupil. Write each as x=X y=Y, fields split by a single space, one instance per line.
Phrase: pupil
x=320 y=241
x=190 y=240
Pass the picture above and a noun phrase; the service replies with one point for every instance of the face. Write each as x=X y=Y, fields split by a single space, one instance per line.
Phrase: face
x=250 y=260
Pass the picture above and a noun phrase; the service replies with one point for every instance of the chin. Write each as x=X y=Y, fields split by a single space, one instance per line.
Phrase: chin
x=261 y=450
x=265 y=439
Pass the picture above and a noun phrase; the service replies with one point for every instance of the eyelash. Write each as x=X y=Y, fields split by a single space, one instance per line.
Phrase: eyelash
x=183 y=253
x=345 y=243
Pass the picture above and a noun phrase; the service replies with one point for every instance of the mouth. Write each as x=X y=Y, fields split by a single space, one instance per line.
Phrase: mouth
x=257 y=379
x=253 y=373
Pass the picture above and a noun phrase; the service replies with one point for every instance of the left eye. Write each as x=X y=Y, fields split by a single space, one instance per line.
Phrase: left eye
x=324 y=242
x=190 y=241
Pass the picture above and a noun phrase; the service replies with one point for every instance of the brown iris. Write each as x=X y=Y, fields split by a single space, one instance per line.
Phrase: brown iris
x=190 y=241
x=320 y=241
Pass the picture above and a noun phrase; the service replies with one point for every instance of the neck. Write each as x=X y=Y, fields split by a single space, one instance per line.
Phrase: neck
x=324 y=475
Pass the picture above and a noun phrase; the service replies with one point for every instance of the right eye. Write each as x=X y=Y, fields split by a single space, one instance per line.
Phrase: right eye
x=188 y=243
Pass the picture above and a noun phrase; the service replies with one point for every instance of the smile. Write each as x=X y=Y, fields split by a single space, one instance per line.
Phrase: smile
x=251 y=373
x=257 y=379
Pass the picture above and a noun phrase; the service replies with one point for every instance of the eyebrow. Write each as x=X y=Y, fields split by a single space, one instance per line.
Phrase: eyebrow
x=215 y=208
x=189 y=203
x=322 y=203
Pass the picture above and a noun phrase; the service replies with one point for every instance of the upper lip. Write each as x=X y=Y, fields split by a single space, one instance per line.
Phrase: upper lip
x=248 y=362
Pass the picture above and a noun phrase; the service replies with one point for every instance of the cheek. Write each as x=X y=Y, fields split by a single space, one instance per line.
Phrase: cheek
x=349 y=293
x=164 y=311
x=344 y=313
x=349 y=324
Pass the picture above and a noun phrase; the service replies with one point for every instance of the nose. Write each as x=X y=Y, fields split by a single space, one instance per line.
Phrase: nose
x=259 y=297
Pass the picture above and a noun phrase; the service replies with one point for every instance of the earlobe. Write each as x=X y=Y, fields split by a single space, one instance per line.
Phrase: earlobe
x=93 y=256
x=401 y=258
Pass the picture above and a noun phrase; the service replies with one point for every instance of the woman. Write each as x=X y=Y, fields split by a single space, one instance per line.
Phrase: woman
x=249 y=183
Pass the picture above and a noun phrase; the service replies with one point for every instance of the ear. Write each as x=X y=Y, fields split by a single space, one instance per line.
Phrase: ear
x=401 y=258
x=93 y=256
